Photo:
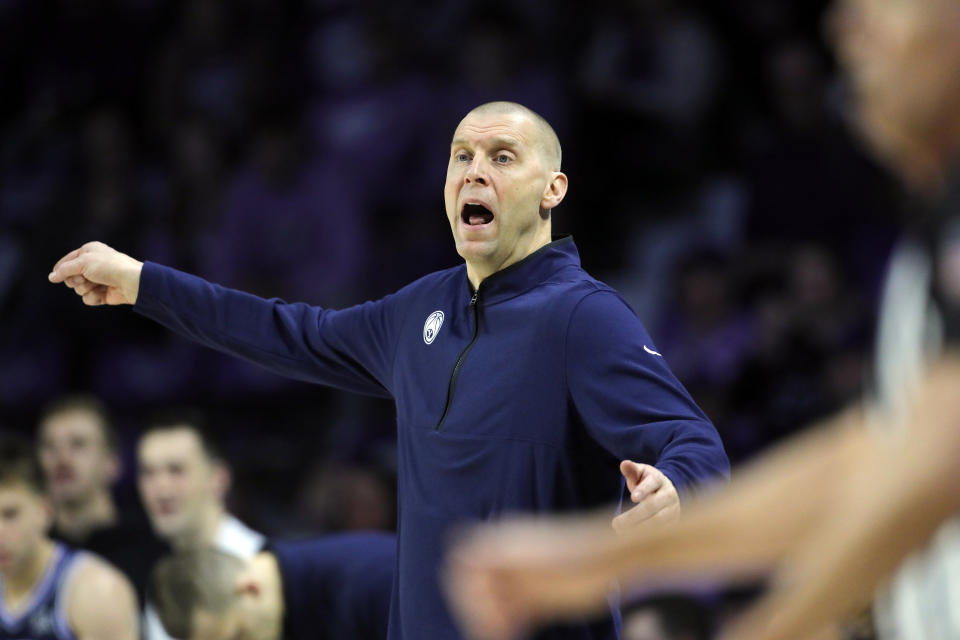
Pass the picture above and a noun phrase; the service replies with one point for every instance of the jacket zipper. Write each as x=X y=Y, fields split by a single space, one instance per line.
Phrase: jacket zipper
x=474 y=304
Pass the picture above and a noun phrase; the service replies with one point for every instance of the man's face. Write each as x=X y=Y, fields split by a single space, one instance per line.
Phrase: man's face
x=497 y=179
x=24 y=518
x=903 y=58
x=177 y=480
x=74 y=456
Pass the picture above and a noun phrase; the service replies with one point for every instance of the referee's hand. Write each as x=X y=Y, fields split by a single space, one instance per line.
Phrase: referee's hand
x=654 y=496
x=99 y=274
x=503 y=579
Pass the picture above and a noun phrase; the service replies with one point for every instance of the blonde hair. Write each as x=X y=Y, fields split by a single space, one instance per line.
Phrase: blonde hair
x=187 y=581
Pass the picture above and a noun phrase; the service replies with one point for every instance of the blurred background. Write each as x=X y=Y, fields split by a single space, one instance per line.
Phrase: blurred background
x=298 y=150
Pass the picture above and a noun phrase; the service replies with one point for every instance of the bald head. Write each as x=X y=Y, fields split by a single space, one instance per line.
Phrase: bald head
x=186 y=581
x=547 y=141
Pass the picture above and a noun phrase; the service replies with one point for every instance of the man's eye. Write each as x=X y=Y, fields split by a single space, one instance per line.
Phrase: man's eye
x=503 y=158
x=462 y=157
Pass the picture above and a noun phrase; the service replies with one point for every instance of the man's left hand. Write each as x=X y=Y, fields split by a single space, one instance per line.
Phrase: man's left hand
x=654 y=496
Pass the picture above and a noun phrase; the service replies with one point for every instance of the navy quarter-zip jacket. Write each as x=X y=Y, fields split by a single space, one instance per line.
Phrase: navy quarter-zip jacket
x=521 y=396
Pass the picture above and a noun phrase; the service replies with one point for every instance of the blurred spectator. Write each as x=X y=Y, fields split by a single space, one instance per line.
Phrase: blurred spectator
x=112 y=192
x=291 y=225
x=649 y=73
x=807 y=356
x=805 y=173
x=80 y=460
x=48 y=589
x=197 y=155
x=200 y=69
x=705 y=336
x=331 y=587
x=183 y=480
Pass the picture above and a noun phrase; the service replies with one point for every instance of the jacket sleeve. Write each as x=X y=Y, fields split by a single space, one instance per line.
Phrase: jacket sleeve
x=350 y=349
x=630 y=401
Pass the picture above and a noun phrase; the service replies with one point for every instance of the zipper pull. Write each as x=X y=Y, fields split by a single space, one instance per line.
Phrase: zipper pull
x=473 y=300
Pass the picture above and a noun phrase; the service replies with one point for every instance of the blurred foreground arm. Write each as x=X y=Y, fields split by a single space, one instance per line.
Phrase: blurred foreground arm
x=834 y=512
x=99 y=274
x=897 y=495
x=504 y=578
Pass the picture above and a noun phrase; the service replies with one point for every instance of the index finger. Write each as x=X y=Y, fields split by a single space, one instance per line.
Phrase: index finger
x=633 y=473
x=67 y=268
x=70 y=256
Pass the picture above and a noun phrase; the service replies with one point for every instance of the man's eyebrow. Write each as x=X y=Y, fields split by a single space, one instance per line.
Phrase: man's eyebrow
x=500 y=142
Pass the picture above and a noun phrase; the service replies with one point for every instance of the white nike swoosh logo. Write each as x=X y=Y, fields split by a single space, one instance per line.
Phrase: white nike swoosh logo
x=651 y=351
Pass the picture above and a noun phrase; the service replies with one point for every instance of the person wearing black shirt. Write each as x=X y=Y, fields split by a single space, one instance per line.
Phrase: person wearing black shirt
x=78 y=452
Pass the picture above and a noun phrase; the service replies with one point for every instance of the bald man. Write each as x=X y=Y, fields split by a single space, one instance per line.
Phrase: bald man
x=833 y=514
x=521 y=383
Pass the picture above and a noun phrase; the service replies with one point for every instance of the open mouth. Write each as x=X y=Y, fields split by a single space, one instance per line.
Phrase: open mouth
x=475 y=214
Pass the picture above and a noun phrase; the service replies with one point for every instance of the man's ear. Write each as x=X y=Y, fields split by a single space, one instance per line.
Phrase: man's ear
x=248 y=584
x=222 y=478
x=555 y=190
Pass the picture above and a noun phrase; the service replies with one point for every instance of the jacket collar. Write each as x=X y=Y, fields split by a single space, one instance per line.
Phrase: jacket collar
x=535 y=269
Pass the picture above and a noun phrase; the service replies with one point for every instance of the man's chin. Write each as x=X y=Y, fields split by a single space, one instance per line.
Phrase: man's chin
x=68 y=496
x=476 y=250
x=167 y=528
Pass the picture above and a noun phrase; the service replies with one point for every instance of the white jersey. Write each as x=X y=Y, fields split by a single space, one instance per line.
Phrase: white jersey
x=922 y=601
x=232 y=537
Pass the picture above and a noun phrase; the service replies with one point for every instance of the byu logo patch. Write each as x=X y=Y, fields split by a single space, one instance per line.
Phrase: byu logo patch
x=432 y=326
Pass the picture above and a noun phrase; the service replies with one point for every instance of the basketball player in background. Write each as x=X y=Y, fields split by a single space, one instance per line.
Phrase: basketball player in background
x=48 y=591
x=835 y=512
x=183 y=480
x=80 y=459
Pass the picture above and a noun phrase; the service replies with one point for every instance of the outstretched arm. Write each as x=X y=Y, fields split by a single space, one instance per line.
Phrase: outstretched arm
x=101 y=603
x=350 y=349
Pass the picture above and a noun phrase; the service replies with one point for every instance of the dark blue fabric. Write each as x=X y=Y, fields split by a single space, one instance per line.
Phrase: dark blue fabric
x=337 y=587
x=559 y=385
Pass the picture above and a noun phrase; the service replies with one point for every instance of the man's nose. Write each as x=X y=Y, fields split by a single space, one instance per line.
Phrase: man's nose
x=475 y=172
x=157 y=486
